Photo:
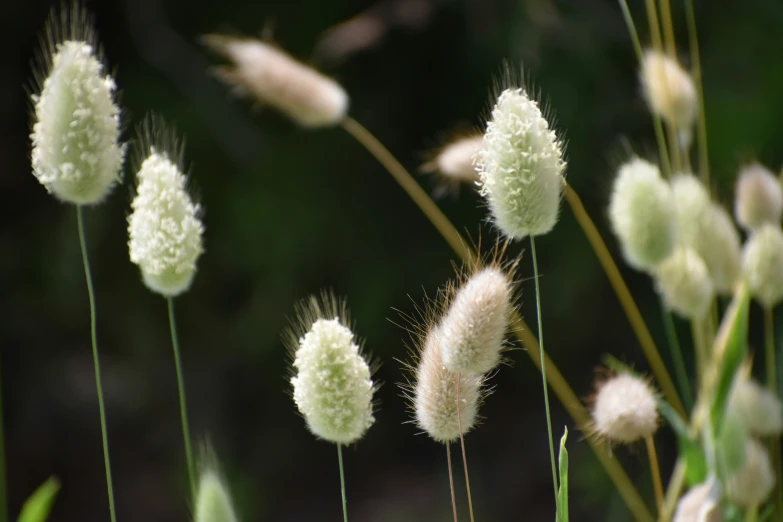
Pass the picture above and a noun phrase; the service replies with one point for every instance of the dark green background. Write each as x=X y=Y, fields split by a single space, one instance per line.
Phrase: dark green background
x=289 y=212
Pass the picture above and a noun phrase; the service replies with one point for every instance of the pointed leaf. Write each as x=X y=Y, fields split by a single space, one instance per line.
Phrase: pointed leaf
x=39 y=504
x=562 y=494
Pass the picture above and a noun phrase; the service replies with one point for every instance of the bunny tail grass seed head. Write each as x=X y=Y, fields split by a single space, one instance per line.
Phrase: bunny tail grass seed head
x=758 y=197
x=759 y=409
x=332 y=382
x=164 y=228
x=76 y=149
x=624 y=409
x=272 y=77
x=213 y=502
x=643 y=214
x=669 y=90
x=762 y=265
x=754 y=482
x=700 y=504
x=454 y=161
x=521 y=167
x=684 y=283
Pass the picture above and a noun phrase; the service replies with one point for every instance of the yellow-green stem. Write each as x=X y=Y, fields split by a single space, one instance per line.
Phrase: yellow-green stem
x=464 y=453
x=342 y=481
x=655 y=471
x=772 y=385
x=655 y=29
x=699 y=348
x=668 y=28
x=451 y=481
x=676 y=352
x=701 y=129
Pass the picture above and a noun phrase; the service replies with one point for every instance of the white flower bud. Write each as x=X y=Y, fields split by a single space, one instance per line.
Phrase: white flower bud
x=753 y=484
x=455 y=161
x=76 y=152
x=213 y=502
x=435 y=391
x=700 y=504
x=669 y=90
x=164 y=228
x=683 y=281
x=332 y=387
x=759 y=409
x=643 y=214
x=474 y=326
x=521 y=167
x=624 y=410
x=758 y=197
x=274 y=78
x=762 y=265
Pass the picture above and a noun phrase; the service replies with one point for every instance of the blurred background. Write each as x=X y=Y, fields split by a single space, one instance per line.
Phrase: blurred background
x=289 y=212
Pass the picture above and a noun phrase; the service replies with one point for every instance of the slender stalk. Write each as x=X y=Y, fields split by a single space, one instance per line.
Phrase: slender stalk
x=96 y=361
x=543 y=363
x=769 y=342
x=752 y=514
x=676 y=352
x=464 y=453
x=668 y=28
x=183 y=407
x=3 y=498
x=626 y=300
x=655 y=29
x=701 y=129
x=655 y=470
x=342 y=481
x=451 y=481
x=699 y=348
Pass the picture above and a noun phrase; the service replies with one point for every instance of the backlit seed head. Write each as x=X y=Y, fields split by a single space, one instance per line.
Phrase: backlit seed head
x=213 y=502
x=762 y=265
x=76 y=154
x=758 y=197
x=684 y=283
x=643 y=214
x=624 y=409
x=272 y=77
x=454 y=162
x=754 y=483
x=521 y=167
x=669 y=90
x=332 y=381
x=700 y=504
x=760 y=410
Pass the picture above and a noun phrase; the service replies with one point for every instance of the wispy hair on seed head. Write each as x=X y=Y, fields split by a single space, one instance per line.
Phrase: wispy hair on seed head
x=446 y=183
x=155 y=135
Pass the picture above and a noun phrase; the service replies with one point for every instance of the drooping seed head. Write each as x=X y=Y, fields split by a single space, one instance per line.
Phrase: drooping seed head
x=700 y=504
x=684 y=283
x=669 y=90
x=624 y=409
x=758 y=197
x=762 y=265
x=272 y=77
x=760 y=410
x=76 y=154
x=754 y=483
x=212 y=502
x=521 y=167
x=164 y=228
x=332 y=384
x=643 y=214
x=454 y=162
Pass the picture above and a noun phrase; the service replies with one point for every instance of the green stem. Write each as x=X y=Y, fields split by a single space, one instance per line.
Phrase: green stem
x=183 y=407
x=676 y=352
x=752 y=514
x=769 y=341
x=96 y=361
x=699 y=348
x=543 y=363
x=3 y=498
x=342 y=481
x=701 y=129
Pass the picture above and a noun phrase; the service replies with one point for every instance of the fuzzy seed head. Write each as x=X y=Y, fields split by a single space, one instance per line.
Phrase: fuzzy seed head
x=435 y=394
x=643 y=214
x=758 y=198
x=759 y=409
x=669 y=90
x=213 y=502
x=684 y=282
x=164 y=228
x=700 y=504
x=762 y=265
x=521 y=167
x=76 y=152
x=273 y=78
x=455 y=161
x=625 y=410
x=754 y=482
x=473 y=328
x=332 y=387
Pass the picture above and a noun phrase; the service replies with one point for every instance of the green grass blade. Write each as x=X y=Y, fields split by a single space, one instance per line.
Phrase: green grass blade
x=37 y=507
x=562 y=494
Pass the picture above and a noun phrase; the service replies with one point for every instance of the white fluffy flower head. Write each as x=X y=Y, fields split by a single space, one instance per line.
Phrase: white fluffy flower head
x=759 y=409
x=454 y=162
x=624 y=410
x=521 y=167
x=669 y=90
x=754 y=482
x=700 y=504
x=684 y=282
x=332 y=386
x=758 y=197
x=76 y=151
x=164 y=229
x=762 y=265
x=212 y=502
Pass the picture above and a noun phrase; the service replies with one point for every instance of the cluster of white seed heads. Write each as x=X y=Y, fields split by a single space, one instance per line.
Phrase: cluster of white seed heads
x=624 y=409
x=762 y=262
x=758 y=198
x=754 y=482
x=684 y=283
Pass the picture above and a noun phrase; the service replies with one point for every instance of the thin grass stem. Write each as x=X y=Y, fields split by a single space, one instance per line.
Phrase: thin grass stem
x=772 y=385
x=701 y=129
x=677 y=358
x=3 y=497
x=655 y=470
x=96 y=360
x=342 y=481
x=668 y=28
x=655 y=28
x=699 y=348
x=464 y=453
x=451 y=481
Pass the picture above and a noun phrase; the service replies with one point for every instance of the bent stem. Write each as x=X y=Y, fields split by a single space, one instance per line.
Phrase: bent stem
x=656 y=474
x=96 y=361
x=626 y=300
x=183 y=408
x=543 y=363
x=464 y=453
x=342 y=481
x=451 y=481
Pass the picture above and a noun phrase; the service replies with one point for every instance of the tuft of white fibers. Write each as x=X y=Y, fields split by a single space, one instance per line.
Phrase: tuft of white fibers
x=700 y=504
x=274 y=78
x=643 y=214
x=213 y=502
x=76 y=149
x=332 y=384
x=762 y=265
x=624 y=409
x=754 y=482
x=669 y=90
x=164 y=228
x=521 y=167
x=455 y=160
x=758 y=197
x=759 y=409
x=684 y=282
x=707 y=228
x=473 y=329
x=435 y=390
